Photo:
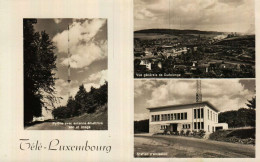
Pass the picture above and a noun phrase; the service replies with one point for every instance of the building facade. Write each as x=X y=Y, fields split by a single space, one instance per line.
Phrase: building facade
x=193 y=117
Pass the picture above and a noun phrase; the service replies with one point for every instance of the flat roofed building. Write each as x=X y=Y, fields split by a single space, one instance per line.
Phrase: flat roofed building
x=195 y=116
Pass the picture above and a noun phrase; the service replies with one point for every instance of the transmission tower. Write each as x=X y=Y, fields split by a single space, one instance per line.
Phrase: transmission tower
x=68 y=63
x=198 y=91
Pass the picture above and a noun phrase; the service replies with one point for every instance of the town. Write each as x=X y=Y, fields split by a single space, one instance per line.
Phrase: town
x=193 y=54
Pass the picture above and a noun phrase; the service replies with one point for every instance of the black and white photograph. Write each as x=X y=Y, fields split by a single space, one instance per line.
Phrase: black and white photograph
x=194 y=118
x=65 y=74
x=194 y=39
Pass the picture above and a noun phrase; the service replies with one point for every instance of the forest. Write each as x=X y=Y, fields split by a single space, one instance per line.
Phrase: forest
x=83 y=102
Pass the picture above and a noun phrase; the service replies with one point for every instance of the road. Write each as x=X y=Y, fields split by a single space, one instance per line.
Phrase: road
x=187 y=147
x=48 y=126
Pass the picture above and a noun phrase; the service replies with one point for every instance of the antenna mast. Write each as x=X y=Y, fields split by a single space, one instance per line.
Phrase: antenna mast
x=198 y=91
x=68 y=63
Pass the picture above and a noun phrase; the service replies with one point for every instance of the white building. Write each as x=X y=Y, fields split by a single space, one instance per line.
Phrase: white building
x=195 y=116
x=147 y=63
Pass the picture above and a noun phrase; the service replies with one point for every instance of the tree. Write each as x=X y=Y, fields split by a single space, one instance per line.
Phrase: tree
x=251 y=103
x=39 y=67
x=80 y=99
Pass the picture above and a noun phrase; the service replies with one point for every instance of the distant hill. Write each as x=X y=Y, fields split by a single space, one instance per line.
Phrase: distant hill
x=176 y=31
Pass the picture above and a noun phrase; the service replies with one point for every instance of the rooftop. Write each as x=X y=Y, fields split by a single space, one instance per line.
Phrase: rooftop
x=183 y=105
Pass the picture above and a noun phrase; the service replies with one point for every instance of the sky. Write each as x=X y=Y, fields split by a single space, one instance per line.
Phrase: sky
x=88 y=48
x=224 y=94
x=208 y=15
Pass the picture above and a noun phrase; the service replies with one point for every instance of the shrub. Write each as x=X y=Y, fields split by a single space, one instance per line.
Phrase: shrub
x=194 y=133
x=182 y=132
x=187 y=132
x=201 y=133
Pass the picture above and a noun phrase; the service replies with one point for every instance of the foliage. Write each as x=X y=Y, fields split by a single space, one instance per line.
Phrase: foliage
x=187 y=132
x=251 y=103
x=84 y=102
x=39 y=66
x=238 y=118
x=201 y=133
x=244 y=136
x=141 y=126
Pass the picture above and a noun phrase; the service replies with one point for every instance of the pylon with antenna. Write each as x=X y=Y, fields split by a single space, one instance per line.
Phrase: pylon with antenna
x=69 y=80
x=198 y=91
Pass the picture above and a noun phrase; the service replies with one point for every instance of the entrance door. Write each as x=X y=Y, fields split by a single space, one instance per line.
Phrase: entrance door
x=173 y=127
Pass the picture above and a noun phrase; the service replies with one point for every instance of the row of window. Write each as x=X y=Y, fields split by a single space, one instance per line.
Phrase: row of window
x=186 y=126
x=212 y=116
x=168 y=117
x=198 y=113
x=198 y=125
x=163 y=127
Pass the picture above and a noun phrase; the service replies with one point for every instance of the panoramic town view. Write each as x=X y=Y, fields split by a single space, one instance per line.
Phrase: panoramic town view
x=179 y=47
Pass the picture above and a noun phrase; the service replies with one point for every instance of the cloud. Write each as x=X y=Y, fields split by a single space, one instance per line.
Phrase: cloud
x=62 y=89
x=224 y=94
x=100 y=76
x=232 y=2
x=216 y=15
x=84 y=48
x=141 y=116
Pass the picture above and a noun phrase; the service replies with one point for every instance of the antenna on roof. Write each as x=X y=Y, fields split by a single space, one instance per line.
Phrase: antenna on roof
x=198 y=91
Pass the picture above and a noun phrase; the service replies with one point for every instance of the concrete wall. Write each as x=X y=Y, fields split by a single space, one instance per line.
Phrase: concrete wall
x=155 y=128
x=209 y=122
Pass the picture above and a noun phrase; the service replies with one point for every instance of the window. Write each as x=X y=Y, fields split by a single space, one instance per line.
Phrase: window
x=185 y=115
x=198 y=125
x=208 y=114
x=181 y=115
x=175 y=116
x=162 y=117
x=198 y=113
x=208 y=128
x=165 y=117
x=183 y=126
x=195 y=115
x=168 y=116
x=202 y=125
x=152 y=117
x=171 y=116
x=189 y=126
x=202 y=113
x=178 y=116
x=195 y=125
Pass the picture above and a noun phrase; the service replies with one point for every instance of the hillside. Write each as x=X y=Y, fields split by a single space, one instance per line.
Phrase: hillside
x=176 y=31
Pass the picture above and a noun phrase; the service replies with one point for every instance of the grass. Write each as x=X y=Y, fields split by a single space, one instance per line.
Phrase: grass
x=99 y=116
